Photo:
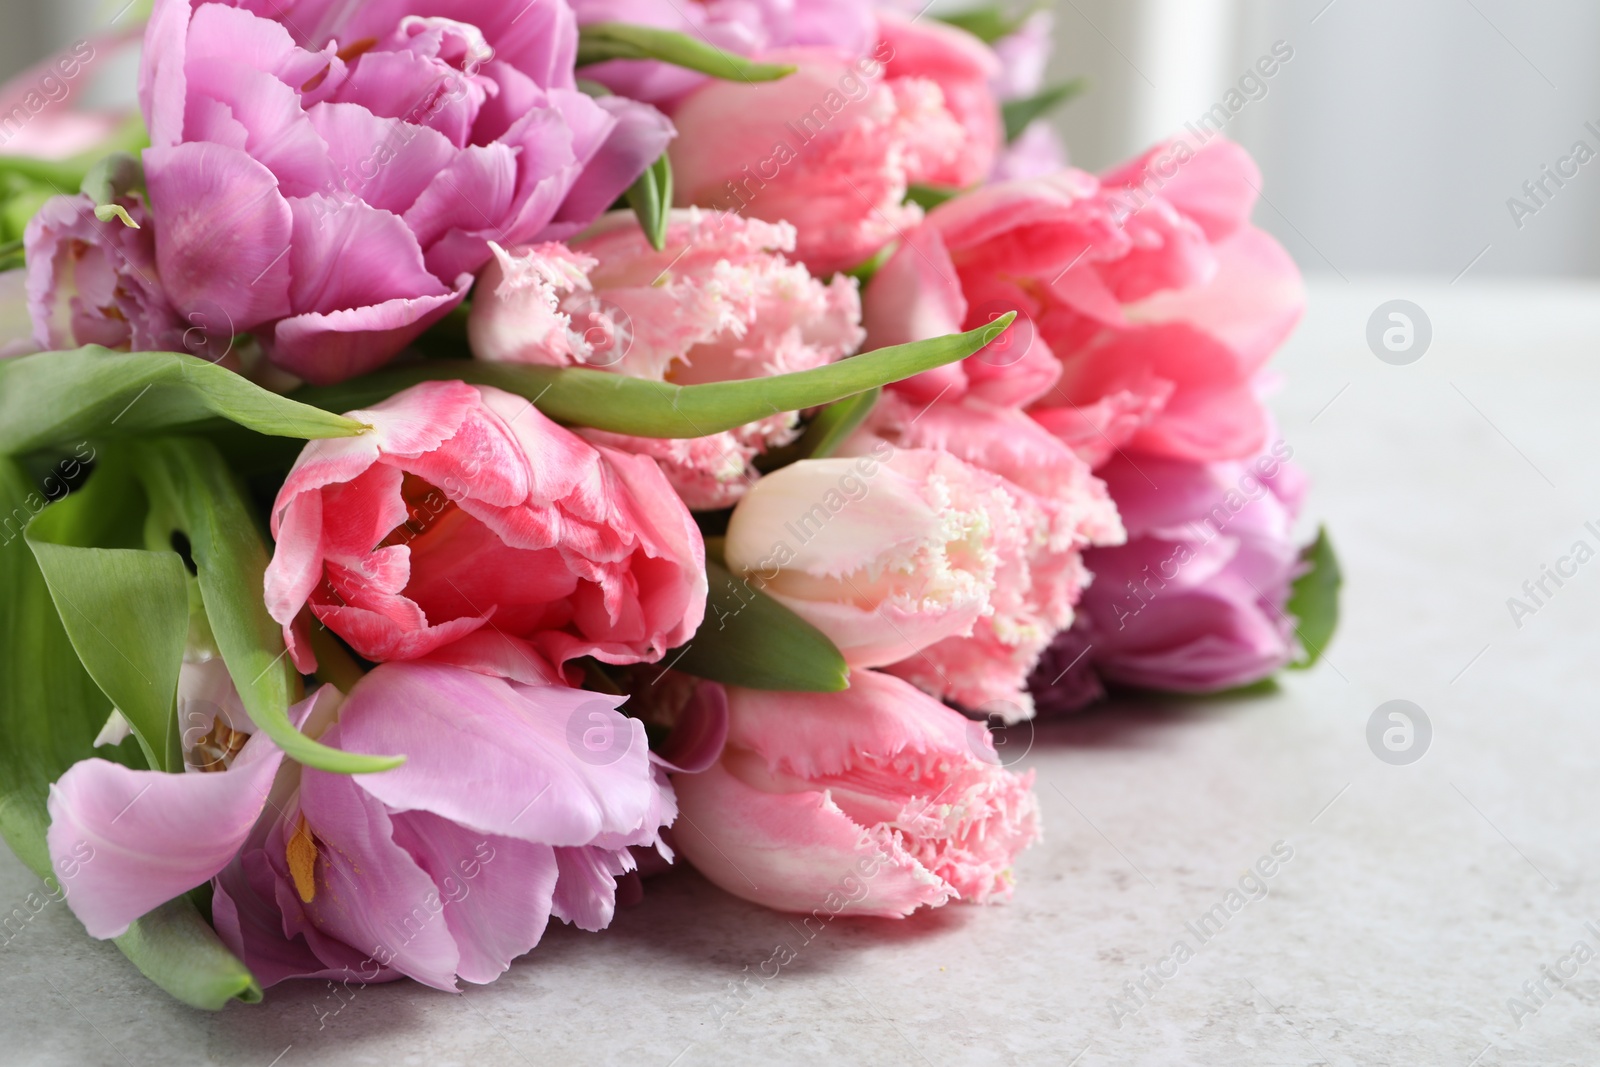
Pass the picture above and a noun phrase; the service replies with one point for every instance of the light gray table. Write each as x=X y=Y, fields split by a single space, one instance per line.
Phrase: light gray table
x=1419 y=898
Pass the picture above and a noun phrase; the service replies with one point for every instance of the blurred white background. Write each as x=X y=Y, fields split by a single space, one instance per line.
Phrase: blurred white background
x=1389 y=144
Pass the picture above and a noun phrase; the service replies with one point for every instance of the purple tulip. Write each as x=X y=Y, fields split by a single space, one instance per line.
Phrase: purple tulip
x=93 y=282
x=1196 y=600
x=329 y=178
x=516 y=803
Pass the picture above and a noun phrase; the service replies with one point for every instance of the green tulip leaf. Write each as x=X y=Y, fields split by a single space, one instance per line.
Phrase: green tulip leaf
x=749 y=639
x=988 y=24
x=51 y=711
x=580 y=396
x=651 y=200
x=1314 y=601
x=193 y=492
x=58 y=398
x=599 y=42
x=179 y=952
x=125 y=610
x=1018 y=115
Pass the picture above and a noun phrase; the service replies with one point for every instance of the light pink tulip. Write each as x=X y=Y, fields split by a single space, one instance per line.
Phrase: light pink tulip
x=886 y=553
x=93 y=282
x=394 y=141
x=1149 y=286
x=719 y=303
x=834 y=147
x=467 y=526
x=1196 y=600
x=1065 y=510
x=875 y=801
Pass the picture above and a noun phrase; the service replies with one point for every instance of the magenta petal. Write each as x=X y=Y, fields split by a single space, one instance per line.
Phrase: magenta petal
x=141 y=838
x=496 y=891
x=161 y=79
x=330 y=347
x=278 y=134
x=223 y=239
x=248 y=913
x=372 y=162
x=346 y=254
x=586 y=895
x=635 y=137
x=370 y=893
x=471 y=198
x=697 y=739
x=549 y=765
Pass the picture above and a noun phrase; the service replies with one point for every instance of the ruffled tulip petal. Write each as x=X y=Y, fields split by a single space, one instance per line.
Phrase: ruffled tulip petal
x=369 y=892
x=329 y=347
x=796 y=851
x=151 y=835
x=223 y=242
x=496 y=891
x=551 y=765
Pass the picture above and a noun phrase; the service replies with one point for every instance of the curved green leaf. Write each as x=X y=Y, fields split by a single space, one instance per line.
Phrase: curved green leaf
x=177 y=951
x=127 y=614
x=988 y=24
x=192 y=491
x=57 y=398
x=749 y=639
x=579 y=396
x=602 y=41
x=50 y=709
x=651 y=200
x=50 y=713
x=1018 y=115
x=835 y=423
x=1314 y=603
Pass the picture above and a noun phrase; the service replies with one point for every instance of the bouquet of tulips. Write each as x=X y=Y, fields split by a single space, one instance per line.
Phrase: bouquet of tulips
x=459 y=457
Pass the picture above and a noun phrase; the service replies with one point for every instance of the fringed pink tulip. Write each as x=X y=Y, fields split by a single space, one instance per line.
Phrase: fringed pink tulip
x=887 y=553
x=719 y=303
x=1065 y=510
x=875 y=801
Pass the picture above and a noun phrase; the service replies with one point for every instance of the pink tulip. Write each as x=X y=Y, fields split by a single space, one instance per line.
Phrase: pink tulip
x=887 y=553
x=718 y=303
x=1196 y=600
x=748 y=27
x=93 y=282
x=1150 y=288
x=394 y=144
x=834 y=147
x=1065 y=510
x=373 y=877
x=467 y=526
x=875 y=801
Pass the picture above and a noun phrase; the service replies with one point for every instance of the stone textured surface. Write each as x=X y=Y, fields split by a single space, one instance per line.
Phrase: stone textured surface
x=1418 y=900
